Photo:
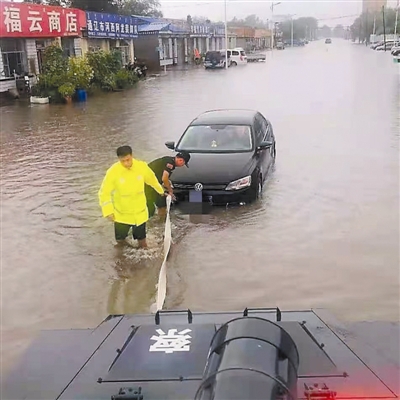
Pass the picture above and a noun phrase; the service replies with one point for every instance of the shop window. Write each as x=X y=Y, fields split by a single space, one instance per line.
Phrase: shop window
x=68 y=47
x=14 y=57
x=94 y=45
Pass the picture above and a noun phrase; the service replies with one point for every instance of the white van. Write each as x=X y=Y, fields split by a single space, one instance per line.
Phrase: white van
x=238 y=56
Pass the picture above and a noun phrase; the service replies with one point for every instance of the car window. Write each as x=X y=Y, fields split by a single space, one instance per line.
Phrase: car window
x=216 y=139
x=258 y=127
x=266 y=130
x=235 y=53
x=242 y=53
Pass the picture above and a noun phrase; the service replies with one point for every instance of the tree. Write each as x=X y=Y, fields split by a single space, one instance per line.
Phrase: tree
x=251 y=21
x=200 y=20
x=107 y=6
x=303 y=28
x=146 y=8
x=363 y=26
x=325 y=31
x=339 y=31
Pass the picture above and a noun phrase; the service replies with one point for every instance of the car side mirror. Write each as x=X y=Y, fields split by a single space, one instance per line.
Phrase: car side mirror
x=170 y=145
x=264 y=145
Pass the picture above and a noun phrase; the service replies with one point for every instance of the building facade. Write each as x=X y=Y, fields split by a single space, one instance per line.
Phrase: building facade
x=160 y=43
x=25 y=30
x=245 y=37
x=109 y=31
x=263 y=39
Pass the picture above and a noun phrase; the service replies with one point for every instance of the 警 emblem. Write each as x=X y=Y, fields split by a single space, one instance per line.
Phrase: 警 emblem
x=172 y=341
x=198 y=187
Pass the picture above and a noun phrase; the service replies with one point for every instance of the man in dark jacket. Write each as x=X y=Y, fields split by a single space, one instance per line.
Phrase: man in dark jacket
x=163 y=168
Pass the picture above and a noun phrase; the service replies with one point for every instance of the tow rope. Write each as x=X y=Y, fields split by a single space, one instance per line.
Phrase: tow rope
x=162 y=277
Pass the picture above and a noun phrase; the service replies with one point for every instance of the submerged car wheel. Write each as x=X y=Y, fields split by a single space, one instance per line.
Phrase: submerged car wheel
x=273 y=153
x=234 y=63
x=256 y=188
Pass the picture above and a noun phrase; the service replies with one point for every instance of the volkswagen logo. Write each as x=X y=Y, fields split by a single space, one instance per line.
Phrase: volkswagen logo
x=198 y=187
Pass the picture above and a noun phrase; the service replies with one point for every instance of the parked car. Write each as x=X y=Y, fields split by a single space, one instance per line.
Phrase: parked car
x=231 y=151
x=238 y=56
x=328 y=41
x=389 y=45
x=375 y=45
x=216 y=59
x=395 y=50
x=280 y=46
x=386 y=45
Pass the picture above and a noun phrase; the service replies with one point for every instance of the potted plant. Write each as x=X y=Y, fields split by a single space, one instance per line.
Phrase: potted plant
x=67 y=90
x=40 y=91
x=39 y=95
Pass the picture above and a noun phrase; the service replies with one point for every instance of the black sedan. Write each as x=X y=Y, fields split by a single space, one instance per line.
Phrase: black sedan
x=231 y=151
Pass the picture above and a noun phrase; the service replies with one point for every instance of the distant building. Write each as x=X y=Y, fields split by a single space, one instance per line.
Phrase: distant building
x=373 y=6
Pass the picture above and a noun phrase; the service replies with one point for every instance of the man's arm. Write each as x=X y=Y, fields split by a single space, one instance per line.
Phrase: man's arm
x=105 y=195
x=151 y=180
x=166 y=182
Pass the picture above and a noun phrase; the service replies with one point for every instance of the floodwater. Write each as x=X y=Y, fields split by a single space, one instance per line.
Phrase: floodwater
x=326 y=233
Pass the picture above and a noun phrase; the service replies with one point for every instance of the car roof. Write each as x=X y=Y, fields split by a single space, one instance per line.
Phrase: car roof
x=226 y=116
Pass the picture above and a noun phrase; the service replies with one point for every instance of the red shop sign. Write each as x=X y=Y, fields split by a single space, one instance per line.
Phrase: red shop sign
x=32 y=20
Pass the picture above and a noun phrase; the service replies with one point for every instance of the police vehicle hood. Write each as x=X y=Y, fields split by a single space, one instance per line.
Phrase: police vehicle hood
x=215 y=168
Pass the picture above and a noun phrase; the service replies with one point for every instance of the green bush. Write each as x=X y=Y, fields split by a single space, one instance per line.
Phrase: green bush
x=54 y=66
x=80 y=73
x=122 y=78
x=67 y=89
x=105 y=66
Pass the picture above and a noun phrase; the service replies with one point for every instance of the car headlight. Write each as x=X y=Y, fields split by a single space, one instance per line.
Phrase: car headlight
x=240 y=183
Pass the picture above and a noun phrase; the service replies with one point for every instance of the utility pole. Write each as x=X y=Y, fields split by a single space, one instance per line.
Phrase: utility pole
x=226 y=37
x=395 y=24
x=384 y=27
x=273 y=24
x=374 y=25
x=291 y=33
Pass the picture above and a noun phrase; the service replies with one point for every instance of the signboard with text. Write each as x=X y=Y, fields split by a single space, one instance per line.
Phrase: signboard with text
x=101 y=25
x=200 y=30
x=26 y=20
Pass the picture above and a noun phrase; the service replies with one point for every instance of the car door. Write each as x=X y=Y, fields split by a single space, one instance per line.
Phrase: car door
x=261 y=155
x=267 y=137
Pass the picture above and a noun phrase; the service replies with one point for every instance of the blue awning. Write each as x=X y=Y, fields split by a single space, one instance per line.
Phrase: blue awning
x=159 y=26
x=153 y=27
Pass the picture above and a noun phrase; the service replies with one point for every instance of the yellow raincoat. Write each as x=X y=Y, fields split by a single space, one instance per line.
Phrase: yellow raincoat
x=122 y=192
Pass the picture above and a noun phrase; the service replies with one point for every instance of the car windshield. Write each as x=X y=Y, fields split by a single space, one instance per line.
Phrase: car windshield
x=216 y=139
x=214 y=55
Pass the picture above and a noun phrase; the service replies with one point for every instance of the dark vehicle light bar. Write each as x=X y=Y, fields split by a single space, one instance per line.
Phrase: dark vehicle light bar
x=250 y=358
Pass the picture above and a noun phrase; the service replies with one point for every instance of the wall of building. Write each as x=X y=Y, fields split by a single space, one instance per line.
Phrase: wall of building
x=146 y=50
x=232 y=42
x=31 y=55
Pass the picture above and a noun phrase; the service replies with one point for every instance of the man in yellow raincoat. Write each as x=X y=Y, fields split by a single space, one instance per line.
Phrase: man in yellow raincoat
x=122 y=198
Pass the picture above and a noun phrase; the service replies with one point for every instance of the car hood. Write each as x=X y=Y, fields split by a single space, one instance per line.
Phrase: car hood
x=215 y=168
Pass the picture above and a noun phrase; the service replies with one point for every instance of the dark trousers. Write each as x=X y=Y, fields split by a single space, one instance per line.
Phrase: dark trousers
x=154 y=199
x=121 y=231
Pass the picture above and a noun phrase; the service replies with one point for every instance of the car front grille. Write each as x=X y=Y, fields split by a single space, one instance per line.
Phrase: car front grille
x=190 y=186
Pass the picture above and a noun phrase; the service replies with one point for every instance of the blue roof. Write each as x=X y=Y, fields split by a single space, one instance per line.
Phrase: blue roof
x=146 y=19
x=160 y=26
x=153 y=27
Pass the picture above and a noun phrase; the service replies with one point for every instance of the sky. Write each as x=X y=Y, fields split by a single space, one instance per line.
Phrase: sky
x=327 y=11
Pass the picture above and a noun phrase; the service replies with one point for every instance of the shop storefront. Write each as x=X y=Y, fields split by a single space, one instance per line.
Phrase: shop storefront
x=25 y=30
x=161 y=44
x=110 y=31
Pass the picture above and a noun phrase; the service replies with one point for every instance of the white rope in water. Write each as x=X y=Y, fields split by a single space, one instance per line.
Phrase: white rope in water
x=162 y=278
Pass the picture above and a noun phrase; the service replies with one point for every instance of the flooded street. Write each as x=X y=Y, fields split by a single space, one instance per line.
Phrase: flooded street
x=326 y=233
